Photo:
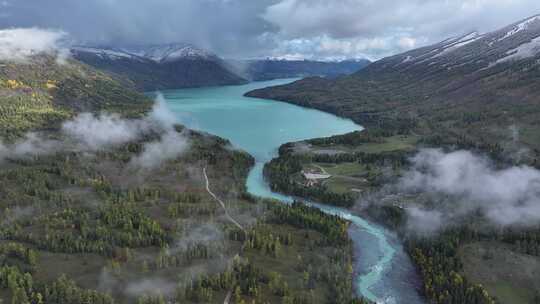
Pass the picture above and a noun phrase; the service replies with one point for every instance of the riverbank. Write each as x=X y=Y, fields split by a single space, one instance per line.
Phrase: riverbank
x=375 y=163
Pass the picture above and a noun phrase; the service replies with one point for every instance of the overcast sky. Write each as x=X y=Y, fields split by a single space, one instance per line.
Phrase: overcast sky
x=319 y=29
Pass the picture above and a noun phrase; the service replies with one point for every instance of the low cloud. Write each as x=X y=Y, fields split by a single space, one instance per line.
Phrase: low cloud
x=515 y=149
x=205 y=233
x=151 y=287
x=20 y=44
x=161 y=113
x=424 y=221
x=95 y=132
x=91 y=132
x=171 y=143
x=105 y=130
x=509 y=196
x=32 y=144
x=170 y=146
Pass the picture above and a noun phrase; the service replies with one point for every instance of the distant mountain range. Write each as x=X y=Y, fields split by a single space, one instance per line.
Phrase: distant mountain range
x=171 y=66
x=268 y=69
x=160 y=67
x=468 y=89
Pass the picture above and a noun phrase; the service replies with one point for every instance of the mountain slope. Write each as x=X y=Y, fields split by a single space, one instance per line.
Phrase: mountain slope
x=160 y=67
x=39 y=93
x=466 y=90
x=274 y=69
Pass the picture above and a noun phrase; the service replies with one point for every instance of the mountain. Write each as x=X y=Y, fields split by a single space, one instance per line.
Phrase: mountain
x=274 y=68
x=39 y=93
x=471 y=90
x=157 y=67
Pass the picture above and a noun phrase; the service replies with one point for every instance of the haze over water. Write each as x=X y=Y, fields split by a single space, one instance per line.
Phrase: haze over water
x=384 y=272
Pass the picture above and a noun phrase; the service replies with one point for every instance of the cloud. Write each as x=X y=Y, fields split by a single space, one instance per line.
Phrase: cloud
x=30 y=145
x=90 y=132
x=509 y=196
x=95 y=132
x=424 y=221
x=401 y=24
x=151 y=287
x=22 y=43
x=168 y=147
x=162 y=114
x=279 y=28
x=105 y=130
x=171 y=143
x=127 y=22
x=205 y=233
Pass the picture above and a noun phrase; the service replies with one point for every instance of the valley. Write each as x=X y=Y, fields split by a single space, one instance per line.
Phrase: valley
x=433 y=117
x=116 y=203
x=349 y=158
x=225 y=112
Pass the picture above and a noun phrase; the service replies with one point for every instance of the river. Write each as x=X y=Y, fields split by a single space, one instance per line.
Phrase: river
x=383 y=271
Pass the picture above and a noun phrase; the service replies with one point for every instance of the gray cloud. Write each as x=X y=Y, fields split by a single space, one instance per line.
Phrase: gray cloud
x=171 y=143
x=105 y=130
x=30 y=145
x=90 y=132
x=151 y=287
x=509 y=196
x=20 y=44
x=280 y=28
x=198 y=233
x=168 y=147
x=379 y=28
x=95 y=132
x=226 y=26
x=424 y=221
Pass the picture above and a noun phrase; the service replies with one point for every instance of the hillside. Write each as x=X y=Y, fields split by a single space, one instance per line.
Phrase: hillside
x=269 y=69
x=105 y=199
x=470 y=90
x=161 y=66
x=39 y=93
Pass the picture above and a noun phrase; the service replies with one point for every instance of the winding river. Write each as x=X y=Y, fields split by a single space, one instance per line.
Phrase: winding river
x=383 y=271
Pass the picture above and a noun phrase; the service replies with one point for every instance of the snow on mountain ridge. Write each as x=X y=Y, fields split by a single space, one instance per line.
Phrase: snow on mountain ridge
x=103 y=52
x=157 y=53
x=520 y=27
x=469 y=38
x=523 y=51
x=170 y=52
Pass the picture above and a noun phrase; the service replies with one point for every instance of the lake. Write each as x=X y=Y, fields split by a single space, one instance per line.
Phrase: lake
x=384 y=273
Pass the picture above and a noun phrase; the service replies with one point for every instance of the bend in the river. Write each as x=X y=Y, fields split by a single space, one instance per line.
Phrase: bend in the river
x=384 y=273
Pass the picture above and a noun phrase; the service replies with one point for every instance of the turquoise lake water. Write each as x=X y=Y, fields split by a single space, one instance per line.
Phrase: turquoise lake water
x=383 y=272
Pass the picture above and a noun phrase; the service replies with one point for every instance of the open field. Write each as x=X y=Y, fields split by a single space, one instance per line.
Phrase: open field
x=509 y=276
x=355 y=161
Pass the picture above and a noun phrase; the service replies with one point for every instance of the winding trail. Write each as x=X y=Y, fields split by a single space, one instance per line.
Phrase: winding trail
x=228 y=297
x=231 y=219
x=221 y=203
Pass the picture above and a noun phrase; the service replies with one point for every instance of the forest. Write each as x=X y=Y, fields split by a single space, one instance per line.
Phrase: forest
x=442 y=258
x=84 y=224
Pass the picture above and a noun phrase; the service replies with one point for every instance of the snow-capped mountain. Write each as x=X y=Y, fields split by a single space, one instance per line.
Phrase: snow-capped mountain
x=474 y=50
x=103 y=53
x=170 y=52
x=476 y=81
x=268 y=69
x=155 y=67
x=157 y=53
